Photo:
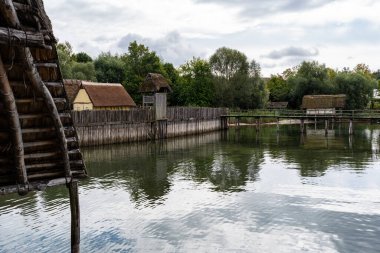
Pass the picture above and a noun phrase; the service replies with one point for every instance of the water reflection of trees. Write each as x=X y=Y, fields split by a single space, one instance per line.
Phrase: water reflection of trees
x=314 y=153
x=224 y=161
x=146 y=170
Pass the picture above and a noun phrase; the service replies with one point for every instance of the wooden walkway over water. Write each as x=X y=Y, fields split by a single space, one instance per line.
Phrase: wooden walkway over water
x=339 y=116
x=354 y=115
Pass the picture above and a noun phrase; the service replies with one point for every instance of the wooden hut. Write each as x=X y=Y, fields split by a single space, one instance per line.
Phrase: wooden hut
x=323 y=104
x=38 y=142
x=277 y=105
x=155 y=83
x=100 y=96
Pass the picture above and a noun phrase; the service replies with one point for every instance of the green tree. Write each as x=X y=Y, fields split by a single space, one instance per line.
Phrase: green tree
x=363 y=69
x=71 y=68
x=357 y=86
x=227 y=63
x=311 y=78
x=83 y=71
x=238 y=83
x=66 y=58
x=175 y=98
x=139 y=61
x=278 y=89
x=83 y=57
x=109 y=68
x=197 y=82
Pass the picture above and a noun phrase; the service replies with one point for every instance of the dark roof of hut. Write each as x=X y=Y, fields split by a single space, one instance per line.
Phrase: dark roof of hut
x=72 y=88
x=324 y=101
x=155 y=83
x=38 y=142
x=108 y=94
x=277 y=105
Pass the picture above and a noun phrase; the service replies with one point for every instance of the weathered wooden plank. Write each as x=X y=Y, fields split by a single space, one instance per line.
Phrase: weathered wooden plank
x=14 y=37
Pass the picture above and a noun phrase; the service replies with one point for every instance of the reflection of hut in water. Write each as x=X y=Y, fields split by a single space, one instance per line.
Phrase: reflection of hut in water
x=317 y=139
x=323 y=104
x=38 y=142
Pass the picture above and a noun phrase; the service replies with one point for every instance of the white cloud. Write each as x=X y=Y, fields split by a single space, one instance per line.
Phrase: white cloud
x=337 y=29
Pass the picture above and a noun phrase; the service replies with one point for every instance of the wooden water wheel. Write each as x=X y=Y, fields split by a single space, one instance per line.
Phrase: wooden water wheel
x=38 y=142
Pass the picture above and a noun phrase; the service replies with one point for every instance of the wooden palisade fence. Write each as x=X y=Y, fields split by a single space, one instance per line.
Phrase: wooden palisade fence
x=110 y=127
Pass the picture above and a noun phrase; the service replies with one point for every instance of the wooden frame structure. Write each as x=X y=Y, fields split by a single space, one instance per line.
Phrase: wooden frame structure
x=38 y=142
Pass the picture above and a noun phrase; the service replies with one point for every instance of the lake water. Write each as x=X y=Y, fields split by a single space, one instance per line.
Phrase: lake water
x=238 y=191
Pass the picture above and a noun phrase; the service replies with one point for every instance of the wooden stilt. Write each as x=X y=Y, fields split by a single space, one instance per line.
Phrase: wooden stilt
x=351 y=130
x=302 y=126
x=326 y=127
x=315 y=123
x=75 y=216
x=278 y=125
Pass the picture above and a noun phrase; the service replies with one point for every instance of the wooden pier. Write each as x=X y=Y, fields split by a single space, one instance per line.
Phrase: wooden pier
x=349 y=116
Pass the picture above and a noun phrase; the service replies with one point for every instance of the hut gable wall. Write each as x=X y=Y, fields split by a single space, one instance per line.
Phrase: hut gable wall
x=82 y=101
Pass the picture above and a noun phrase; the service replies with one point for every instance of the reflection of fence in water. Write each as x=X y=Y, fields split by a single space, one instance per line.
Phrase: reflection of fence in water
x=108 y=153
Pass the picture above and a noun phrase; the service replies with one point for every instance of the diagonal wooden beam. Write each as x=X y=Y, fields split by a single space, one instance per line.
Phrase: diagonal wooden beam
x=15 y=129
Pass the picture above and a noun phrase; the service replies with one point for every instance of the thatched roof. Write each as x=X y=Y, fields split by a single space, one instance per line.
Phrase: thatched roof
x=324 y=101
x=38 y=142
x=72 y=88
x=155 y=83
x=277 y=105
x=108 y=94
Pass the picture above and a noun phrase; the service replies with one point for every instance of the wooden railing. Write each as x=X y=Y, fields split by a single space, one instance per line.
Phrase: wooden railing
x=349 y=114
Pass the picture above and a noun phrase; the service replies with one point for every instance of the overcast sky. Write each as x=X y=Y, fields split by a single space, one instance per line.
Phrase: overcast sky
x=276 y=33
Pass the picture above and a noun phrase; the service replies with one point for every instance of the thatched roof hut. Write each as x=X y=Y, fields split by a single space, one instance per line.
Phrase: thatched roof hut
x=277 y=105
x=103 y=96
x=38 y=142
x=155 y=83
x=324 y=101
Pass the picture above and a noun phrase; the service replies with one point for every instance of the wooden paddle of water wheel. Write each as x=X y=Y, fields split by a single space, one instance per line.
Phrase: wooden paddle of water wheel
x=38 y=142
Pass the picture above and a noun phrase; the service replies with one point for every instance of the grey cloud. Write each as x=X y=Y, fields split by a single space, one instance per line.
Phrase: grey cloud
x=253 y=8
x=291 y=52
x=172 y=47
x=87 y=12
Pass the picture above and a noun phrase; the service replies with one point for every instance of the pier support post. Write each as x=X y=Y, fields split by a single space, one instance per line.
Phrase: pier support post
x=315 y=123
x=258 y=124
x=302 y=126
x=350 y=129
x=278 y=125
x=326 y=127
x=75 y=216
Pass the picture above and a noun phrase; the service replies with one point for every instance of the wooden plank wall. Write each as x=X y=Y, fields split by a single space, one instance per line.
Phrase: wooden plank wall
x=96 y=128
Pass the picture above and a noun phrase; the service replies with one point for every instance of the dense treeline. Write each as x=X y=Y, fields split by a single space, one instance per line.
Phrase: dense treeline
x=312 y=78
x=226 y=79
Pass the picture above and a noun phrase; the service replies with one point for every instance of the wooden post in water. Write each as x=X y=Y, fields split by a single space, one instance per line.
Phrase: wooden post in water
x=278 y=125
x=350 y=129
x=75 y=216
x=302 y=126
x=257 y=124
x=326 y=127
